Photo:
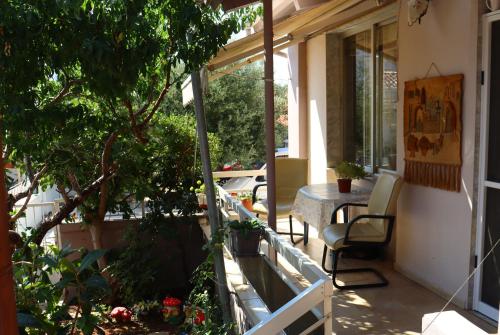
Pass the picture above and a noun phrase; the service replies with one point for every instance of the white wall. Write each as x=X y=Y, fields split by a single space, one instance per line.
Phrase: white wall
x=316 y=88
x=434 y=226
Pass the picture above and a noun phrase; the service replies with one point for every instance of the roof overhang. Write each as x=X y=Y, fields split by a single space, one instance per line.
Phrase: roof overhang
x=334 y=14
x=295 y=29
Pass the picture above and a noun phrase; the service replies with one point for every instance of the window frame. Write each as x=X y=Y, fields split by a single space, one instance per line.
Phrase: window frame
x=371 y=26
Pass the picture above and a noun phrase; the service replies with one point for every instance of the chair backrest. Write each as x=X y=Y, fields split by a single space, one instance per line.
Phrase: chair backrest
x=291 y=175
x=384 y=198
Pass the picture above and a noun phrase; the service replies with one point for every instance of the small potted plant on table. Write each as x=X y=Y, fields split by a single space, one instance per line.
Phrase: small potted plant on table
x=245 y=236
x=246 y=200
x=346 y=172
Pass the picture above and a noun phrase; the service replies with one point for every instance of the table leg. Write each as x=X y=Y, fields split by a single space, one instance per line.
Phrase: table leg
x=306 y=233
x=345 y=212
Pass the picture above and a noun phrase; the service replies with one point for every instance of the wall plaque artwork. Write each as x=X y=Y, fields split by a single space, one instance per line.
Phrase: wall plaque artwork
x=433 y=132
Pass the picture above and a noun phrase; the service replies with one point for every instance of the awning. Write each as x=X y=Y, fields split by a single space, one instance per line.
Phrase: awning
x=290 y=31
x=293 y=30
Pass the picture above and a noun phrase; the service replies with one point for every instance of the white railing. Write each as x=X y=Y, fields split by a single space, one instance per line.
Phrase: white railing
x=317 y=298
x=239 y=173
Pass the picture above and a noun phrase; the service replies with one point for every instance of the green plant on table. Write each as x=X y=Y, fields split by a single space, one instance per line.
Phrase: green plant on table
x=41 y=276
x=245 y=196
x=350 y=170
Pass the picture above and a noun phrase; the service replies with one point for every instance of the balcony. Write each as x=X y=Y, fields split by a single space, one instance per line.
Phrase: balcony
x=396 y=309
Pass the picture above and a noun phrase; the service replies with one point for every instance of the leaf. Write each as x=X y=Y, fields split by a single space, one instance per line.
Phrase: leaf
x=67 y=264
x=96 y=281
x=90 y=259
x=50 y=261
x=25 y=320
x=66 y=251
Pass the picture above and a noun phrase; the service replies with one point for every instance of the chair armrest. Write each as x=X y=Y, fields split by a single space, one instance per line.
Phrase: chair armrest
x=254 y=191
x=391 y=219
x=341 y=206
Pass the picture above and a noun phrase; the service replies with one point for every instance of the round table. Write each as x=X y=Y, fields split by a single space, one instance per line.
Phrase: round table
x=314 y=204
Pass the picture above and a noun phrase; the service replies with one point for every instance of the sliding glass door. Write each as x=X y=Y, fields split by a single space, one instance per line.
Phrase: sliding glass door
x=487 y=281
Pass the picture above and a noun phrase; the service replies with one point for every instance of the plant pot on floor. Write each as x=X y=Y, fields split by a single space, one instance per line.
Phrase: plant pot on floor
x=344 y=185
x=245 y=243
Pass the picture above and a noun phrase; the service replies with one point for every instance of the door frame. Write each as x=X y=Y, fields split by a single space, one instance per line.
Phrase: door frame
x=483 y=184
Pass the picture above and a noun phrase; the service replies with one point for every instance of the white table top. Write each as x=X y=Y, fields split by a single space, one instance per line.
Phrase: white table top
x=314 y=204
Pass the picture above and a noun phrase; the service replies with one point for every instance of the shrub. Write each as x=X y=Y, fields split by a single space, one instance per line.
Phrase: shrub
x=41 y=276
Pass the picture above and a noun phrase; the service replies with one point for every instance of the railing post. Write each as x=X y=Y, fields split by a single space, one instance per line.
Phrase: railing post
x=327 y=307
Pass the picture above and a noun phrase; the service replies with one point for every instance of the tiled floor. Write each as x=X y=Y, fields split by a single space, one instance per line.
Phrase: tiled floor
x=395 y=309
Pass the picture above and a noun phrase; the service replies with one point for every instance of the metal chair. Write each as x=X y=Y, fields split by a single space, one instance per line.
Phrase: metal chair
x=368 y=230
x=291 y=175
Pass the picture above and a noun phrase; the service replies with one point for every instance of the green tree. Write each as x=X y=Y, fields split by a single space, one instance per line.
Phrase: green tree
x=81 y=82
x=235 y=113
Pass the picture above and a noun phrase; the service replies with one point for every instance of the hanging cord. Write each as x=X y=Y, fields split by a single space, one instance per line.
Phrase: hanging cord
x=433 y=65
x=463 y=284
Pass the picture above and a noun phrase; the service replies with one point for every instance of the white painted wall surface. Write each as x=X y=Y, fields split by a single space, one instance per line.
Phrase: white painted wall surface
x=316 y=79
x=434 y=226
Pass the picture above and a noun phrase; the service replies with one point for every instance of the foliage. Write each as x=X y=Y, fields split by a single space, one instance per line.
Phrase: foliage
x=146 y=308
x=350 y=170
x=234 y=108
x=136 y=267
x=39 y=289
x=202 y=296
x=81 y=82
x=172 y=165
x=245 y=196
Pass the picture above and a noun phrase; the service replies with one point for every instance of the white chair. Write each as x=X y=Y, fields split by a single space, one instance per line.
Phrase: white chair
x=367 y=230
x=291 y=175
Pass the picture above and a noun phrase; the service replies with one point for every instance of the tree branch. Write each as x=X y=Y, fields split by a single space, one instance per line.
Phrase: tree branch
x=105 y=167
x=159 y=100
x=74 y=183
x=64 y=194
x=34 y=184
x=149 y=99
x=49 y=223
x=64 y=91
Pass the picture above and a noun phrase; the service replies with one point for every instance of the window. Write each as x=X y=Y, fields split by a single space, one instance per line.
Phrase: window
x=370 y=92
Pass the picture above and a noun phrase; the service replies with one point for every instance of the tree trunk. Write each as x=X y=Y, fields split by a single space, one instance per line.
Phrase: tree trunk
x=96 y=229
x=8 y=322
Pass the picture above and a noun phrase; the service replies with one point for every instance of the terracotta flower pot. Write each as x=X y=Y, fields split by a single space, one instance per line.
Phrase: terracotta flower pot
x=344 y=185
x=247 y=203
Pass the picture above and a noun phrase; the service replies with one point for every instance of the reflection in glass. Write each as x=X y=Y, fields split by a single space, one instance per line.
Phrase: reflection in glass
x=357 y=58
x=387 y=86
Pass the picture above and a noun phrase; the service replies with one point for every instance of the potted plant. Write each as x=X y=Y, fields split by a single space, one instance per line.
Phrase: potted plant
x=199 y=190
x=246 y=200
x=346 y=172
x=245 y=236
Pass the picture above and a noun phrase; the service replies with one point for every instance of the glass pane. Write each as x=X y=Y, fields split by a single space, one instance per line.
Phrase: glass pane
x=357 y=60
x=387 y=95
x=494 y=121
x=490 y=285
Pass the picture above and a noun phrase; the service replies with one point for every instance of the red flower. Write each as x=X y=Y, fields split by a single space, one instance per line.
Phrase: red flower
x=170 y=301
x=200 y=317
